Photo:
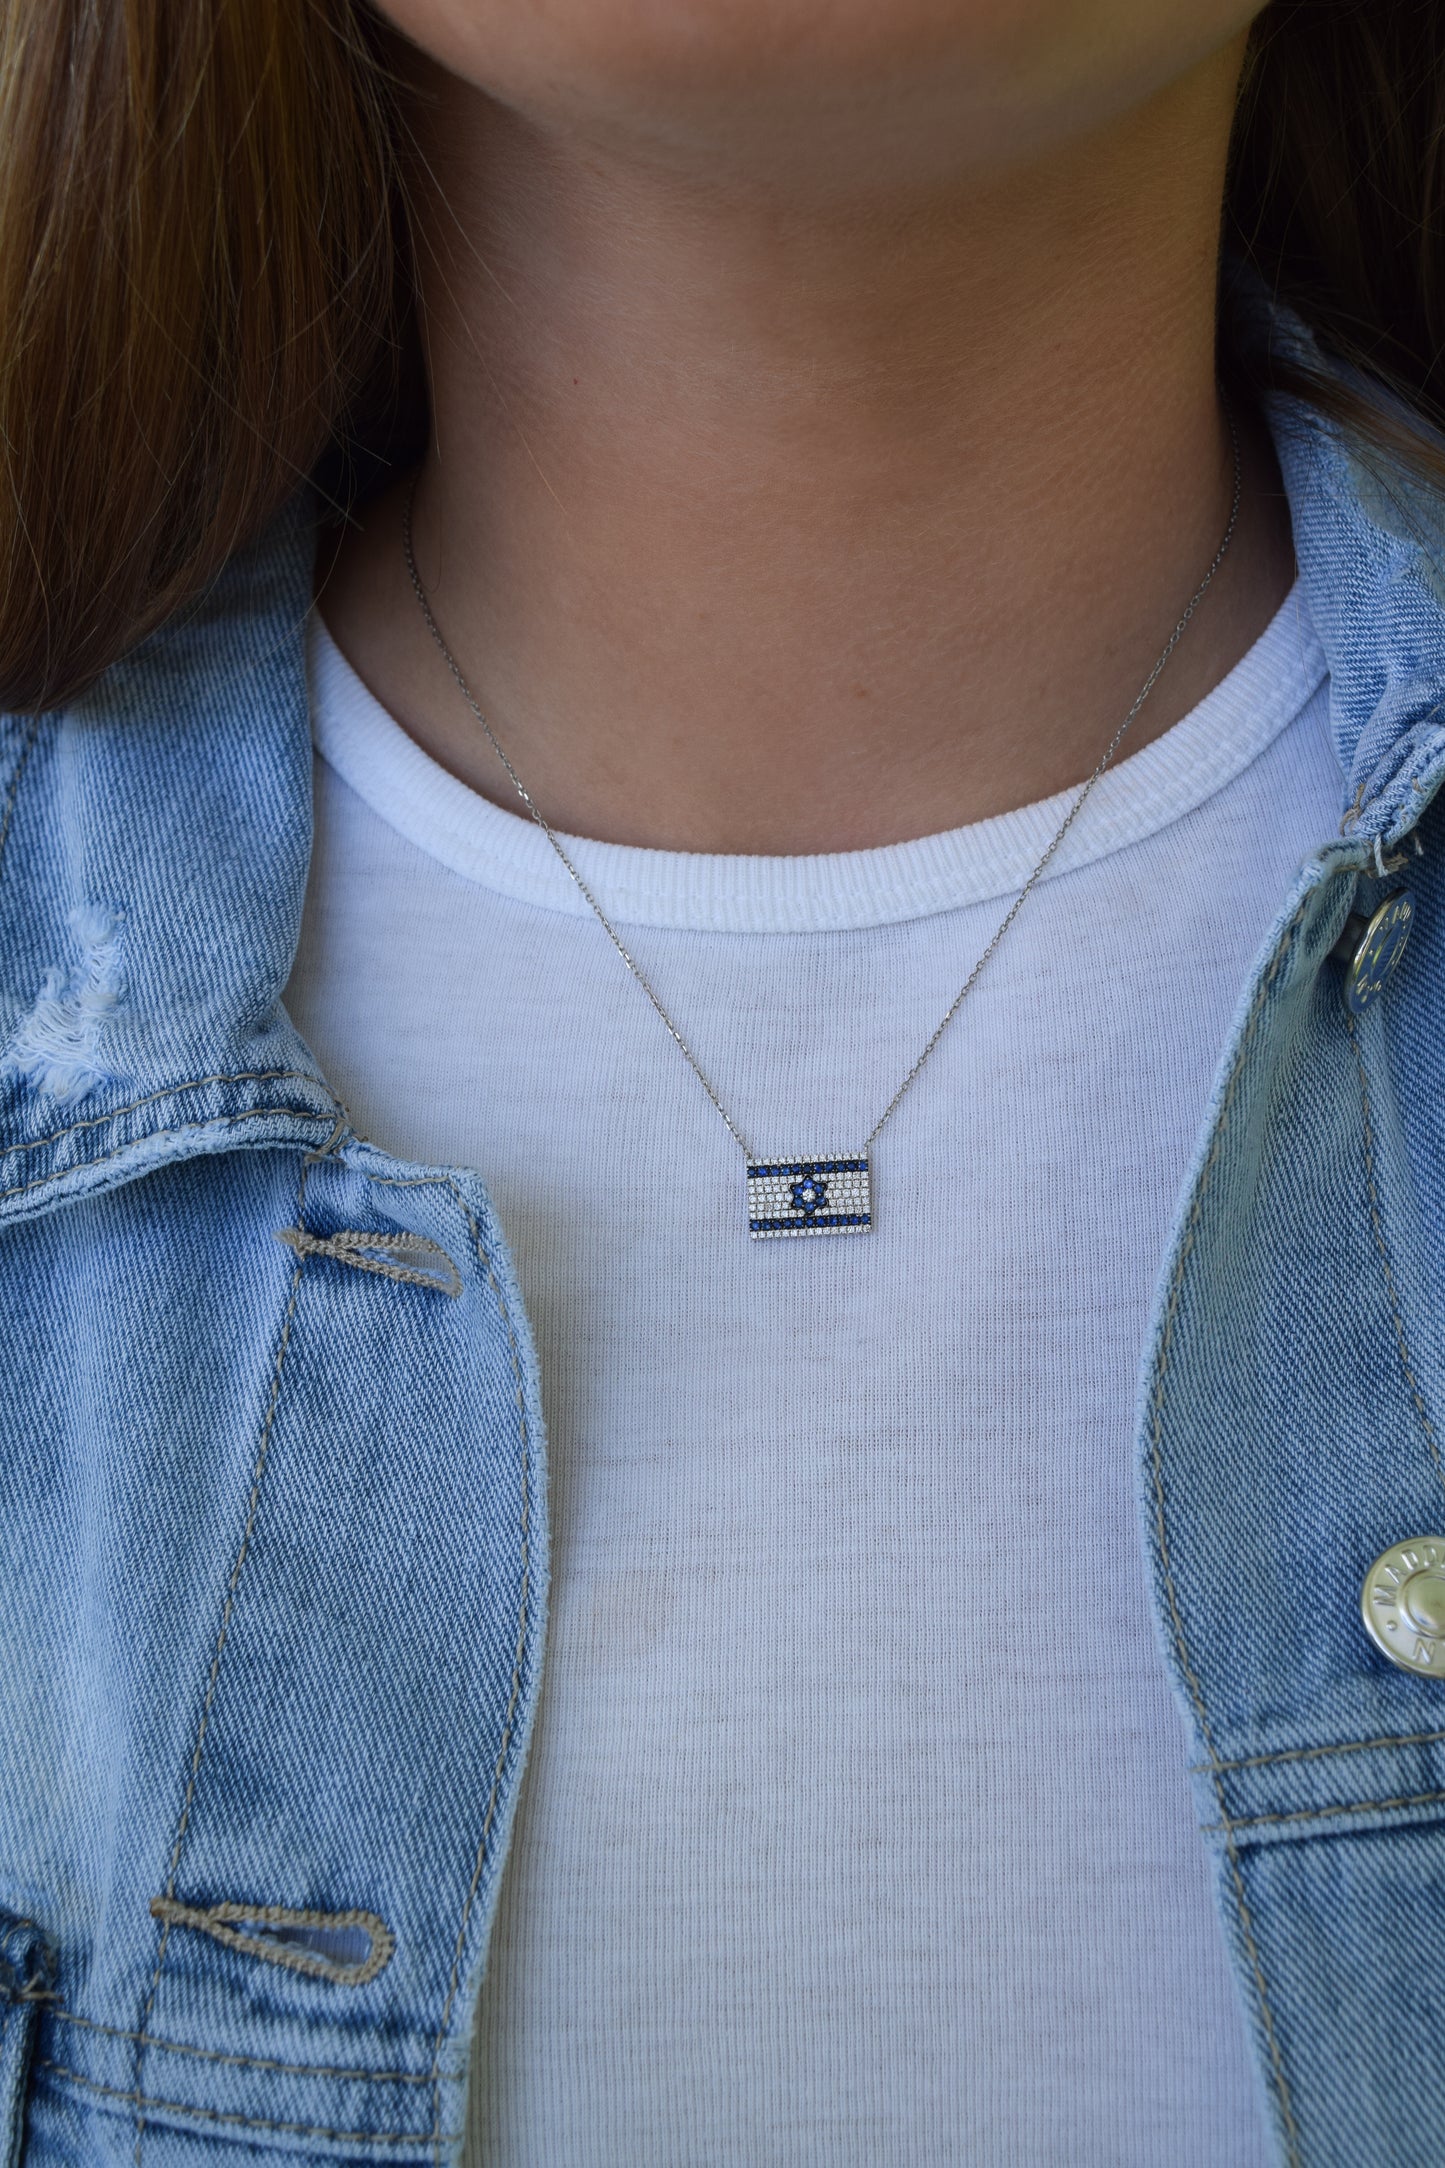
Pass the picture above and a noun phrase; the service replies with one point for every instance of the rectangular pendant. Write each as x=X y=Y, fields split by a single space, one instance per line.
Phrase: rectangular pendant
x=808 y=1197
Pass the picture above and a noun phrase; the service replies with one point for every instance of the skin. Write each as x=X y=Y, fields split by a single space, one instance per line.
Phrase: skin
x=825 y=430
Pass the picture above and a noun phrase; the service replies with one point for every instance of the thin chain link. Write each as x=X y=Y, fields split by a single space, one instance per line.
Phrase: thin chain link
x=531 y=804
x=1004 y=924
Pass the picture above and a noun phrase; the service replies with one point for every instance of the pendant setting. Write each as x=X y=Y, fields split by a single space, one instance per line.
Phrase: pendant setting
x=808 y=1197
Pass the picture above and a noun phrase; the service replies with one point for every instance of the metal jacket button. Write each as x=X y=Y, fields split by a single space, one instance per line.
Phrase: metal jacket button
x=1371 y=947
x=1403 y=1604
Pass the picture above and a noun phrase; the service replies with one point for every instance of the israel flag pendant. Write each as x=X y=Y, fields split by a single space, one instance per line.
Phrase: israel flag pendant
x=808 y=1197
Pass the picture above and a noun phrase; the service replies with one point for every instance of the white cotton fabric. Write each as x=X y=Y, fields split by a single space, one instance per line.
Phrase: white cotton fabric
x=856 y=1829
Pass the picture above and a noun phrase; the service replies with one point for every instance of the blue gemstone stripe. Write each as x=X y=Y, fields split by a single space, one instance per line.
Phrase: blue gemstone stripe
x=819 y=1219
x=809 y=1166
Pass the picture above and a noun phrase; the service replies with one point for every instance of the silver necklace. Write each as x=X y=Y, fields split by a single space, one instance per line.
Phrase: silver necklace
x=831 y=1193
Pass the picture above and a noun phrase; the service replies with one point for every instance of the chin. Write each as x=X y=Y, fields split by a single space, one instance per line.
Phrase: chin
x=781 y=83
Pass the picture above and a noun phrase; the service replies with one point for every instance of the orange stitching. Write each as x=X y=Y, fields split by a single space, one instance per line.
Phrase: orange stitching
x=1311 y=1753
x=196 y=1083
x=257 y=1473
x=245 y=2122
x=1166 y=1348
x=325 y=1151
x=154 y=1136
x=415 y=1182
x=248 y=2062
x=432 y=1269
x=1312 y=1814
x=227 y=1921
x=1377 y=1227
x=1352 y=812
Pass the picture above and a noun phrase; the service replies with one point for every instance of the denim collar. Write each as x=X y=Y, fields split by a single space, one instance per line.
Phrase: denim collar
x=156 y=833
x=1370 y=543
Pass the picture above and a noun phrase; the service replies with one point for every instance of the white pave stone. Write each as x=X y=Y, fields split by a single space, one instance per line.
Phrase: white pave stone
x=826 y=1195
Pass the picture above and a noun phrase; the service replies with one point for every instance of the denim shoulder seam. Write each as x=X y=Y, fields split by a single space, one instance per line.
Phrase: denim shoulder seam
x=1313 y=1814
x=154 y=1136
x=191 y=1084
x=411 y=1182
x=1161 y=1528
x=245 y=2122
x=1313 y=1753
x=245 y=2062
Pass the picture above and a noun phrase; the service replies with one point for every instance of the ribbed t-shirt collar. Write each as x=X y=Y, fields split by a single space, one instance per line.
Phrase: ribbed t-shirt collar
x=828 y=892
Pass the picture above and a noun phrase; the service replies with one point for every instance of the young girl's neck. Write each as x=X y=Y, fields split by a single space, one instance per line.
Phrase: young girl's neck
x=794 y=516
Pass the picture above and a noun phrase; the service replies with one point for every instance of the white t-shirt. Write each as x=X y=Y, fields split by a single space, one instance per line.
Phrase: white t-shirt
x=856 y=1827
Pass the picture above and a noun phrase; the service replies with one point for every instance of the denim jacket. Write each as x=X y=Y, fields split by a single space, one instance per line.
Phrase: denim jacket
x=273 y=1538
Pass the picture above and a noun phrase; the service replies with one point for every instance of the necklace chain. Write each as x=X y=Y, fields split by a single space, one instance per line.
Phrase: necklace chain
x=1075 y=809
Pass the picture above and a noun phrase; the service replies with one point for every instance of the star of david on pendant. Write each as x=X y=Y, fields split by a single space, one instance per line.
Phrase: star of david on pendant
x=808 y=1197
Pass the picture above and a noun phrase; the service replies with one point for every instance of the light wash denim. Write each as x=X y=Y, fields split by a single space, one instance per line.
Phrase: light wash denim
x=273 y=1550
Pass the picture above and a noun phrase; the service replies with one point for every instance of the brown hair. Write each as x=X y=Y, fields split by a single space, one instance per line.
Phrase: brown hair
x=196 y=266
x=1337 y=195
x=202 y=279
